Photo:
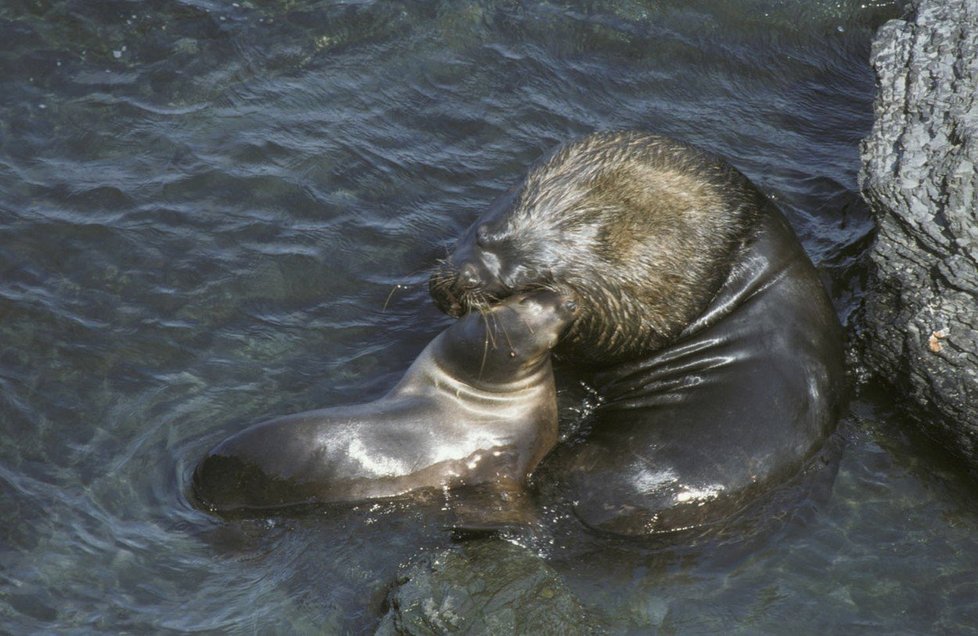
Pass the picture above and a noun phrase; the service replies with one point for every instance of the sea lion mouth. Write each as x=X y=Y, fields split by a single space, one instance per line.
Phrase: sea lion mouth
x=457 y=291
x=445 y=296
x=457 y=303
x=455 y=298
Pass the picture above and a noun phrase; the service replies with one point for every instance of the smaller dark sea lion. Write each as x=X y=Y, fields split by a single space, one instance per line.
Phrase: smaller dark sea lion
x=477 y=407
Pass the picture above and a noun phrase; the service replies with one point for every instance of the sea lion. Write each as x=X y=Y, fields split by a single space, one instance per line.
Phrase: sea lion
x=702 y=324
x=478 y=406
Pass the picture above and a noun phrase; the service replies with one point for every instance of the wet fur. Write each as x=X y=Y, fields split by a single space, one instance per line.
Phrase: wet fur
x=641 y=229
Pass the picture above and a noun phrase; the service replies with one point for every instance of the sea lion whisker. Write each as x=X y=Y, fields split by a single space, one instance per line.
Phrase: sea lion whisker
x=485 y=346
x=441 y=278
x=444 y=272
x=391 y=295
x=483 y=308
x=490 y=321
x=502 y=329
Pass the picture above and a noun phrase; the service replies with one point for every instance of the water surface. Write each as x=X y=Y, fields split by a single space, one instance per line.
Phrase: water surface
x=206 y=206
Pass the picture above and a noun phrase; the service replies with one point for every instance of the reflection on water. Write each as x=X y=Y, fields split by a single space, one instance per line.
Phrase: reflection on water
x=204 y=207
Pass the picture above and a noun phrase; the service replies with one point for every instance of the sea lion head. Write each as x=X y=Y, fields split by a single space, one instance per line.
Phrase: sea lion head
x=510 y=341
x=639 y=229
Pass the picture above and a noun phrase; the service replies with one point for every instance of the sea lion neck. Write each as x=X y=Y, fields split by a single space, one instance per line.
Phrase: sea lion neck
x=761 y=262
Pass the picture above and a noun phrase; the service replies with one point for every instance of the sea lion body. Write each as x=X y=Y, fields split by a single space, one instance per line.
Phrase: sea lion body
x=738 y=403
x=477 y=406
x=703 y=326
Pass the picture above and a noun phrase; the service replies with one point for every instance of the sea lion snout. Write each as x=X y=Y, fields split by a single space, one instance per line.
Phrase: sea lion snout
x=468 y=279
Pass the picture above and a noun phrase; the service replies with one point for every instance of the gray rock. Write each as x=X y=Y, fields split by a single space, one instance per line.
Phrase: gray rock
x=920 y=318
x=483 y=587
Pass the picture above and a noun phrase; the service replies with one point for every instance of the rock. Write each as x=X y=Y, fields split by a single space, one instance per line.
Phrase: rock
x=483 y=587
x=920 y=319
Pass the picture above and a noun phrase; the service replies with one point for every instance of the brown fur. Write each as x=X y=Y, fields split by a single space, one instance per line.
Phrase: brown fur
x=640 y=228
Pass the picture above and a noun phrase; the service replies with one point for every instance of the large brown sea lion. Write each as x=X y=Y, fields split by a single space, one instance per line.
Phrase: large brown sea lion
x=703 y=324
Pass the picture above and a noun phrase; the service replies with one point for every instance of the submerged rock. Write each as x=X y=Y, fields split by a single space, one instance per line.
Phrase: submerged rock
x=483 y=587
x=920 y=318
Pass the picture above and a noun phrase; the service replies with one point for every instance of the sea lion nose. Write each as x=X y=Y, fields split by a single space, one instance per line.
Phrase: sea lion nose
x=468 y=276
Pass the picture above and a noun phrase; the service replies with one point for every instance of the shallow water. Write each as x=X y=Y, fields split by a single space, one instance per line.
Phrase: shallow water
x=212 y=212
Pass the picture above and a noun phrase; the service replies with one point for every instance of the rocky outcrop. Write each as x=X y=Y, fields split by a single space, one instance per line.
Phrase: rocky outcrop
x=920 y=177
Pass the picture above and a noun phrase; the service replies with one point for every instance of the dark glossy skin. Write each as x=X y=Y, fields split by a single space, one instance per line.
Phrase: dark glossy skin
x=478 y=406
x=737 y=404
x=711 y=395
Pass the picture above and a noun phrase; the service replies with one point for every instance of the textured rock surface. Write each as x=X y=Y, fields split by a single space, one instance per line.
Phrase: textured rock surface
x=920 y=327
x=483 y=587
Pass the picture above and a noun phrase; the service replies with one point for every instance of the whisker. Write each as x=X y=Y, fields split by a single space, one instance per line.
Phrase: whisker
x=496 y=326
x=485 y=343
x=505 y=333
x=391 y=295
x=442 y=279
x=479 y=304
x=443 y=275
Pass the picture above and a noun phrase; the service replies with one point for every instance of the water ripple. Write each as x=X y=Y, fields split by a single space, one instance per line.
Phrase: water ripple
x=214 y=212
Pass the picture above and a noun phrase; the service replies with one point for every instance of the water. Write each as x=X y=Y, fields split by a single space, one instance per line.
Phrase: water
x=213 y=212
